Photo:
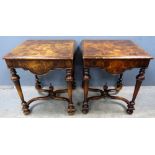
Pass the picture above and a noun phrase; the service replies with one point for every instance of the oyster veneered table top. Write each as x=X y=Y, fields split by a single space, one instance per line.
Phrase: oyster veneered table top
x=43 y=49
x=109 y=49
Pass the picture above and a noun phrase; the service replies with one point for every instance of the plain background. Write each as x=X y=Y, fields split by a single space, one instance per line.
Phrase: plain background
x=77 y=18
x=57 y=77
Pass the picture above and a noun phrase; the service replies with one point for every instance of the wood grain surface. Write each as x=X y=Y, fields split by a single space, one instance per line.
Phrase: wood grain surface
x=112 y=49
x=43 y=49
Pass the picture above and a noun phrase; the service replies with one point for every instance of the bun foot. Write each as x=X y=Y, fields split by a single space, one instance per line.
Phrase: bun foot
x=85 y=108
x=130 y=108
x=71 y=110
x=26 y=109
x=129 y=111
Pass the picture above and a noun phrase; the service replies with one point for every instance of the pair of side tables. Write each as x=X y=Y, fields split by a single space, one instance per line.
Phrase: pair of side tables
x=41 y=56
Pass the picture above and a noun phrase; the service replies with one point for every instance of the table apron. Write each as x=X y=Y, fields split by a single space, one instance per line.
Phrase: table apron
x=116 y=66
x=39 y=67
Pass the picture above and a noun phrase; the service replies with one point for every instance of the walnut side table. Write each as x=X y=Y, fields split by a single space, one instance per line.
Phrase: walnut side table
x=39 y=57
x=114 y=56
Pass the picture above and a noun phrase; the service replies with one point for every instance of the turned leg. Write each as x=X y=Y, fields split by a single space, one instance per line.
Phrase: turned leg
x=16 y=80
x=74 y=83
x=38 y=83
x=139 y=79
x=85 y=107
x=69 y=80
x=73 y=74
x=119 y=83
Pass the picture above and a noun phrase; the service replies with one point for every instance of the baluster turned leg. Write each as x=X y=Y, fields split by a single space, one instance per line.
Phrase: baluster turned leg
x=69 y=79
x=16 y=80
x=74 y=83
x=85 y=107
x=119 y=83
x=38 y=83
x=139 y=79
x=73 y=73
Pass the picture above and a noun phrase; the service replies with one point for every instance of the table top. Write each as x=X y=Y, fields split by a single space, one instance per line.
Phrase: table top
x=43 y=49
x=112 y=49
